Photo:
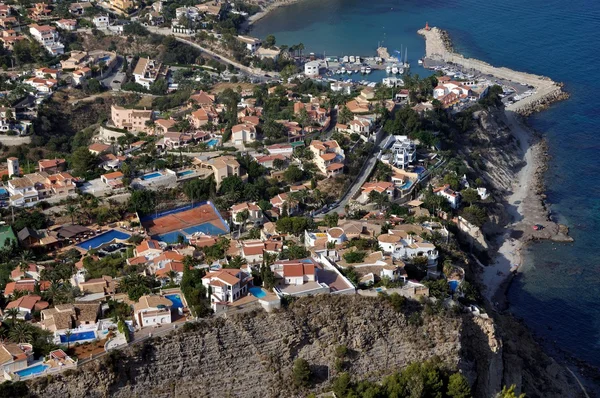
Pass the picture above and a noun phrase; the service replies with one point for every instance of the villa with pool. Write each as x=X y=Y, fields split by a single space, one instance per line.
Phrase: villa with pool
x=156 y=310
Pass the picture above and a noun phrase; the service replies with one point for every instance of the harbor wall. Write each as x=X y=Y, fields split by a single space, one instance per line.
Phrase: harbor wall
x=438 y=46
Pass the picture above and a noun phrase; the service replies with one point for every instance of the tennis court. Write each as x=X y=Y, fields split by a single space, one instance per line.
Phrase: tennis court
x=201 y=218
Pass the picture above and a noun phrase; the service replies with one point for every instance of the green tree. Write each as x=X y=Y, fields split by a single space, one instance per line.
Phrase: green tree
x=301 y=373
x=269 y=41
x=68 y=335
x=72 y=211
x=509 y=393
x=331 y=219
x=142 y=201
x=84 y=163
x=470 y=196
x=12 y=313
x=458 y=386
x=293 y=174
x=345 y=115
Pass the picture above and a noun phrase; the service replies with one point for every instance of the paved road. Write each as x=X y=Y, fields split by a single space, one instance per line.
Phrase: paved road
x=362 y=177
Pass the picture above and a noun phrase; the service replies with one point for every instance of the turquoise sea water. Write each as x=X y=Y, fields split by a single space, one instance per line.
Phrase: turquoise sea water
x=558 y=294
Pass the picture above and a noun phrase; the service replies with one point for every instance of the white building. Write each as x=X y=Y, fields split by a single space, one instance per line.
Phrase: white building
x=311 y=69
x=295 y=273
x=147 y=71
x=48 y=37
x=255 y=214
x=152 y=310
x=101 y=21
x=402 y=245
x=252 y=43
x=13 y=167
x=452 y=197
x=226 y=286
x=191 y=13
x=404 y=151
x=329 y=157
x=244 y=133
x=281 y=149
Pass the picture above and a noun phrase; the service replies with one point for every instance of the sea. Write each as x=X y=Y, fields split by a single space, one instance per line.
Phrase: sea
x=558 y=293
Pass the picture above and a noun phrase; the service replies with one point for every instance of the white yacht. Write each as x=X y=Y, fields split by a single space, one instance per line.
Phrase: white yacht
x=352 y=59
x=395 y=69
x=420 y=62
x=343 y=70
x=345 y=59
x=349 y=71
x=368 y=70
x=388 y=69
x=363 y=70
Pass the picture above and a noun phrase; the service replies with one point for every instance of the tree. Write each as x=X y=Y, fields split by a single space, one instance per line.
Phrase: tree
x=301 y=373
x=345 y=115
x=293 y=174
x=331 y=219
x=84 y=163
x=269 y=41
x=509 y=393
x=470 y=196
x=279 y=164
x=458 y=386
x=21 y=332
x=68 y=335
x=12 y=313
x=142 y=201
x=72 y=211
x=172 y=275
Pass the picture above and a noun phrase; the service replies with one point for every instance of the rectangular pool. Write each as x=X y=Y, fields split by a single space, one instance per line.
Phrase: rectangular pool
x=79 y=336
x=34 y=370
x=102 y=239
x=176 y=299
x=185 y=173
x=151 y=176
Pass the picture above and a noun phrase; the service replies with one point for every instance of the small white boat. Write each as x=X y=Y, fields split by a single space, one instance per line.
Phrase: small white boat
x=345 y=59
x=395 y=69
x=339 y=71
x=363 y=70
x=349 y=71
x=357 y=59
x=368 y=70
x=343 y=70
x=388 y=69
x=352 y=59
x=420 y=62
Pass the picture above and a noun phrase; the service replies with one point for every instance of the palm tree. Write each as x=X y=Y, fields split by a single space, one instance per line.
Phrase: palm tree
x=172 y=275
x=12 y=313
x=21 y=332
x=68 y=335
x=242 y=217
x=72 y=211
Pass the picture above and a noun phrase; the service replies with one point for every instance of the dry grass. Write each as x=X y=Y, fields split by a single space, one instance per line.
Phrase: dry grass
x=220 y=87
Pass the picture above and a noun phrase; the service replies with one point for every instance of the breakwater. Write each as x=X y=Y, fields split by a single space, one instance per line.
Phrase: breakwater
x=438 y=46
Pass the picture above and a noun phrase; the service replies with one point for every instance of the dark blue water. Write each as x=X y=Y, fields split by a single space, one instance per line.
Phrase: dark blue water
x=559 y=292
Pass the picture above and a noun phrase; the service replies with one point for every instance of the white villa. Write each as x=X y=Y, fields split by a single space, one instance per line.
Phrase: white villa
x=404 y=151
x=152 y=310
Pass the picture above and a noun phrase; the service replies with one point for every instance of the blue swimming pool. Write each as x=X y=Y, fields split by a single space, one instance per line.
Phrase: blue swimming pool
x=34 y=370
x=151 y=176
x=79 y=336
x=419 y=169
x=453 y=285
x=185 y=173
x=257 y=292
x=176 y=299
x=213 y=142
x=406 y=185
x=3 y=192
x=102 y=239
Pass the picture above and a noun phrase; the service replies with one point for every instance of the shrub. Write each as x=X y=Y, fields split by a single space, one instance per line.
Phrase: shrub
x=301 y=373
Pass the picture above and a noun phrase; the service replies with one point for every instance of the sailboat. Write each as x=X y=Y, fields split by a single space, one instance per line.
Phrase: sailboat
x=406 y=64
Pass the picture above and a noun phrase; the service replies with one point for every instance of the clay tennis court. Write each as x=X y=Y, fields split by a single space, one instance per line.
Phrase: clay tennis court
x=202 y=218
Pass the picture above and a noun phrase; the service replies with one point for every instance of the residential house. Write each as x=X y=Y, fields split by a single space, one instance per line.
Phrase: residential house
x=52 y=165
x=222 y=167
x=252 y=43
x=163 y=126
x=76 y=60
x=379 y=187
x=113 y=180
x=10 y=37
x=268 y=161
x=281 y=201
x=191 y=13
x=255 y=214
x=45 y=86
x=281 y=149
x=311 y=68
x=23 y=285
x=148 y=248
x=67 y=24
x=130 y=119
x=152 y=310
x=81 y=75
x=147 y=71
x=105 y=285
x=295 y=273
x=451 y=196
x=79 y=8
x=68 y=316
x=202 y=98
x=226 y=286
x=26 y=305
x=210 y=8
x=28 y=237
x=47 y=73
x=97 y=148
x=242 y=134
x=123 y=5
x=329 y=157
x=101 y=21
x=404 y=245
x=15 y=357
x=30 y=188
x=48 y=37
x=404 y=151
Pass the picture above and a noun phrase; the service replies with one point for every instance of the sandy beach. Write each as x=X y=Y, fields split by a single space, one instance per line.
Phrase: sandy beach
x=272 y=5
x=525 y=204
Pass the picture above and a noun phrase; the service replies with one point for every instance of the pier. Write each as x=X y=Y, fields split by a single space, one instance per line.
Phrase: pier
x=438 y=47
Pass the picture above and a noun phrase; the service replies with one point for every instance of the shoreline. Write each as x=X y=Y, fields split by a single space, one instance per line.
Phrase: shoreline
x=273 y=5
x=526 y=203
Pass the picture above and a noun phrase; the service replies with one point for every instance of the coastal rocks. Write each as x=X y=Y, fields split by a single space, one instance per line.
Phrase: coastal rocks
x=543 y=102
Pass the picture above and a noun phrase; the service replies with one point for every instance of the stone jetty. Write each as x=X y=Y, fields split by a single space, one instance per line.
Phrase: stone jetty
x=438 y=46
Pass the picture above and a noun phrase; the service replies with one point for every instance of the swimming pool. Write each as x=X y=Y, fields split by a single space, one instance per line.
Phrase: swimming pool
x=151 y=176
x=185 y=173
x=34 y=370
x=176 y=299
x=419 y=169
x=3 y=192
x=102 y=239
x=406 y=185
x=213 y=142
x=257 y=292
x=79 y=336
x=453 y=285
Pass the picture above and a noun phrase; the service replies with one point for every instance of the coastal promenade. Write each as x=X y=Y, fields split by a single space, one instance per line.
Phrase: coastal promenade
x=438 y=47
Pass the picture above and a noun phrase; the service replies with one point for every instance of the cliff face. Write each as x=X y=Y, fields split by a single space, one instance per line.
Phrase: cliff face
x=252 y=354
